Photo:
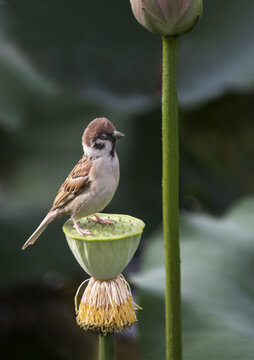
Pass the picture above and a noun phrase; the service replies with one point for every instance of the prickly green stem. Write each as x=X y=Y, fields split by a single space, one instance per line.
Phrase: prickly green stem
x=170 y=198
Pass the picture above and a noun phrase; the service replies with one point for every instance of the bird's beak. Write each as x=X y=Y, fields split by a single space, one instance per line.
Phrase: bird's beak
x=118 y=134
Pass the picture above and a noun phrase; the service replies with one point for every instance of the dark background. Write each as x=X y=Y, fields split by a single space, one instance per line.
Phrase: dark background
x=64 y=63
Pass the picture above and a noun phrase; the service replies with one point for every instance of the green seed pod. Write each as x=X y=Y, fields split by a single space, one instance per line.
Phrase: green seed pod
x=167 y=17
x=109 y=249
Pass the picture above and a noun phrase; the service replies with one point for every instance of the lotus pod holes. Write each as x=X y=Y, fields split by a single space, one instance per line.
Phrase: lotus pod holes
x=106 y=304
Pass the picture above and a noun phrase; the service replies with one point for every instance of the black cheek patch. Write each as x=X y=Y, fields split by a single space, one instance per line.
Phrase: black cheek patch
x=99 y=146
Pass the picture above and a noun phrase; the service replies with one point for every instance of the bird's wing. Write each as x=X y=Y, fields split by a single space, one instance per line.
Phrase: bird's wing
x=76 y=182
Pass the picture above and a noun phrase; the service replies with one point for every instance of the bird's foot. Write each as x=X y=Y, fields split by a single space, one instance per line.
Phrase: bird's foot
x=99 y=220
x=79 y=230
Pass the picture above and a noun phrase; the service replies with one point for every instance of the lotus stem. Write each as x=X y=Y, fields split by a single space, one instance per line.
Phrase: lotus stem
x=106 y=347
x=170 y=180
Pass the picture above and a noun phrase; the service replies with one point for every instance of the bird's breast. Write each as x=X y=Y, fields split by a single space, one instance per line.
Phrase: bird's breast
x=104 y=179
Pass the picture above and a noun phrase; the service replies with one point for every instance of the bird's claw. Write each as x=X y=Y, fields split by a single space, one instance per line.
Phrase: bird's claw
x=81 y=231
x=99 y=220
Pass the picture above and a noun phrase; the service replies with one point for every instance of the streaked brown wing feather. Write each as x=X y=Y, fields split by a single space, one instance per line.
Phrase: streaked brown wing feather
x=77 y=180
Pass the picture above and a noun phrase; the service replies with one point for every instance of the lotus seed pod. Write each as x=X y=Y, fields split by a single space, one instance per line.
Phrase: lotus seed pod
x=106 y=305
x=167 y=17
x=106 y=253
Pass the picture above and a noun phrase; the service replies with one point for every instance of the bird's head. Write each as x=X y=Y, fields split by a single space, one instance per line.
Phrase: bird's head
x=99 y=138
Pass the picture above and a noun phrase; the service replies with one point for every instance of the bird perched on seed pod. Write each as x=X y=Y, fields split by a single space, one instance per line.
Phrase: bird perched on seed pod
x=93 y=181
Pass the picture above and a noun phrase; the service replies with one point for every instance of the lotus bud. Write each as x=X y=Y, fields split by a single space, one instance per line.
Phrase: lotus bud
x=167 y=17
x=106 y=305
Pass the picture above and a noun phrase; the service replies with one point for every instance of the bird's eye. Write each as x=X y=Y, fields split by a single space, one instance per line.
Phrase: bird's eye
x=103 y=136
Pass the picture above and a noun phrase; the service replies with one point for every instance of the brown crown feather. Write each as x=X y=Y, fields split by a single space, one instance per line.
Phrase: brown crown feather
x=95 y=128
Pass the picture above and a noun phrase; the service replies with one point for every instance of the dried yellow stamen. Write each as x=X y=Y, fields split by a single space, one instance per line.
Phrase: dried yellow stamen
x=106 y=305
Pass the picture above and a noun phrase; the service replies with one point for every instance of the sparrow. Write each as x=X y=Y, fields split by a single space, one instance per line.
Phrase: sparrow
x=91 y=184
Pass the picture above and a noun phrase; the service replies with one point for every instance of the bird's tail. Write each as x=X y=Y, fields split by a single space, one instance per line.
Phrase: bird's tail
x=51 y=216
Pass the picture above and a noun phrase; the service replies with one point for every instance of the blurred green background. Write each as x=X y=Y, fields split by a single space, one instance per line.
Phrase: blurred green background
x=64 y=63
